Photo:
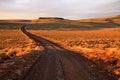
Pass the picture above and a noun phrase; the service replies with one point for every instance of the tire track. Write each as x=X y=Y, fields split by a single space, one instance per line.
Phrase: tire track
x=59 y=64
x=47 y=52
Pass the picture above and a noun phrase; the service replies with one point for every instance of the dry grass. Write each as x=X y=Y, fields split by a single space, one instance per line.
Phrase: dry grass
x=115 y=19
x=15 y=43
x=97 y=45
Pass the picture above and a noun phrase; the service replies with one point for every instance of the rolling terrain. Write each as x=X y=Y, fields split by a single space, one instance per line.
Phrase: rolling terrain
x=63 y=24
x=60 y=49
x=64 y=64
x=102 y=48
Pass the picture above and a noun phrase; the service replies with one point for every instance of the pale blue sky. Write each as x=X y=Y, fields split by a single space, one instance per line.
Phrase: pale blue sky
x=70 y=9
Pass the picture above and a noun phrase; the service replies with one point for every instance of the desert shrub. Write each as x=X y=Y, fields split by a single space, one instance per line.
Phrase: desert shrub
x=12 y=53
x=3 y=56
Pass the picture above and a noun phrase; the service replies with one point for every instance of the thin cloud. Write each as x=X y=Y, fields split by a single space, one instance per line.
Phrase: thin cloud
x=72 y=9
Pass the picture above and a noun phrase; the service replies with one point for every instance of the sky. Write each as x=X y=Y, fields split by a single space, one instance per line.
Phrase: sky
x=69 y=9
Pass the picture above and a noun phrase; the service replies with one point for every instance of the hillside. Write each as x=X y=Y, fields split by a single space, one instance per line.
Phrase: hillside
x=113 y=19
x=53 y=23
x=86 y=24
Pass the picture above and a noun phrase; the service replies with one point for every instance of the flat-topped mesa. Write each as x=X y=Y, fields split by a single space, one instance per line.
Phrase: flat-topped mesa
x=51 y=18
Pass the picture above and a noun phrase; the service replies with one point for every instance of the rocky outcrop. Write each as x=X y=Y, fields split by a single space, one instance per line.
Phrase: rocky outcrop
x=51 y=18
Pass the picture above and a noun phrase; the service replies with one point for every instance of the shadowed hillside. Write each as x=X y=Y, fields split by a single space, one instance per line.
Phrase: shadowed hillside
x=15 y=21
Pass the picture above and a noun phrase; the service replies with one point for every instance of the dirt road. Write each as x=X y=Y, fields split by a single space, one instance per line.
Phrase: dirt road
x=59 y=64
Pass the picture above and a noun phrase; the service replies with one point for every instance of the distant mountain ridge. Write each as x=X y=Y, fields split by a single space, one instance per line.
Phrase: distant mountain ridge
x=42 y=20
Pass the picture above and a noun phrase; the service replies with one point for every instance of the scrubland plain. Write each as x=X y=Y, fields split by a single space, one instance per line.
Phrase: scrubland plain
x=17 y=53
x=96 y=39
x=14 y=43
x=101 y=46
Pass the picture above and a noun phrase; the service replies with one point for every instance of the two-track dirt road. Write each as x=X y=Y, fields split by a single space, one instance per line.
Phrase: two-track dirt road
x=60 y=64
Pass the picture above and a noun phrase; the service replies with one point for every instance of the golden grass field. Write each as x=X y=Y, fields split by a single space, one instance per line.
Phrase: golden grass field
x=15 y=43
x=96 y=39
x=97 y=45
x=115 y=19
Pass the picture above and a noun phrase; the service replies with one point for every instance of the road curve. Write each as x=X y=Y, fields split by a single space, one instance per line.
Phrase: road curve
x=59 y=64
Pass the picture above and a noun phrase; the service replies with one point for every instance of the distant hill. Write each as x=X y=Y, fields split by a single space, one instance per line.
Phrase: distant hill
x=86 y=24
x=51 y=18
x=48 y=20
x=51 y=23
x=113 y=19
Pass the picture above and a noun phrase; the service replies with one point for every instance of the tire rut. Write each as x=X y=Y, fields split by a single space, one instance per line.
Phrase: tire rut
x=59 y=64
x=45 y=62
